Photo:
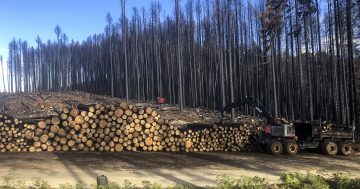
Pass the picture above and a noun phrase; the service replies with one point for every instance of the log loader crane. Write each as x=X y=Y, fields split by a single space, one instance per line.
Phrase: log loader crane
x=278 y=137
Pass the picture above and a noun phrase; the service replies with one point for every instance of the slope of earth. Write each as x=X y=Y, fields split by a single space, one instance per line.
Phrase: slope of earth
x=47 y=103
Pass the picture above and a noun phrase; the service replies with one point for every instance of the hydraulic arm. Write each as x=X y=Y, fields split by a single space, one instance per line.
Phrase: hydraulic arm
x=256 y=104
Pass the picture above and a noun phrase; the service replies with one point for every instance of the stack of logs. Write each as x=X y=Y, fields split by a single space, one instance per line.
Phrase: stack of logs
x=12 y=134
x=326 y=126
x=218 y=138
x=116 y=128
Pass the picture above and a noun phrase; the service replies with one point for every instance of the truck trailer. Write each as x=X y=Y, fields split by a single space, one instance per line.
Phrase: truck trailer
x=279 y=138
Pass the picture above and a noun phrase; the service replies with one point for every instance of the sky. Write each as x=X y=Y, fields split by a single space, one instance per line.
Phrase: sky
x=78 y=19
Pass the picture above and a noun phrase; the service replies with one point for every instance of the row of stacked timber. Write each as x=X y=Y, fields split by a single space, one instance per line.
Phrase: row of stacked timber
x=116 y=128
x=218 y=138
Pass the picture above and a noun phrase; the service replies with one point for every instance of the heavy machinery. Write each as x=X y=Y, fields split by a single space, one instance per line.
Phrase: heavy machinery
x=289 y=138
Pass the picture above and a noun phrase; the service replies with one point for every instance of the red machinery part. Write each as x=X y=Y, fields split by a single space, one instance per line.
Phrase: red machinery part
x=267 y=129
x=161 y=100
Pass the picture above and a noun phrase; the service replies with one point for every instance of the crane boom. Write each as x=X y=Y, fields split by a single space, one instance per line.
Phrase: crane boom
x=256 y=104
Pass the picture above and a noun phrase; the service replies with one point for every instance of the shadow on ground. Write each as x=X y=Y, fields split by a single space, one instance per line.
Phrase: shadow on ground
x=163 y=165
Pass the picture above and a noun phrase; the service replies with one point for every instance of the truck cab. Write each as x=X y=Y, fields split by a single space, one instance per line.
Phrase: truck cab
x=277 y=137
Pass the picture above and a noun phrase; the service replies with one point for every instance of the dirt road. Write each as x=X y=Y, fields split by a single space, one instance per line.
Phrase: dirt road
x=199 y=169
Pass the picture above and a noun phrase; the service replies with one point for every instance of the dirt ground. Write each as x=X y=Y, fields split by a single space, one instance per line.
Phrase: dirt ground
x=199 y=169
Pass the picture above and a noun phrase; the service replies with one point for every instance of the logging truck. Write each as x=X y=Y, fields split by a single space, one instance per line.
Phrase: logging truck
x=278 y=138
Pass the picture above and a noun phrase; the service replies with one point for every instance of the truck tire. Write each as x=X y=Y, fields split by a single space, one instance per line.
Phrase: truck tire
x=345 y=149
x=330 y=148
x=291 y=148
x=275 y=147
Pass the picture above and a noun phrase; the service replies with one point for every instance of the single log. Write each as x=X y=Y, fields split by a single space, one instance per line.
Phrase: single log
x=42 y=124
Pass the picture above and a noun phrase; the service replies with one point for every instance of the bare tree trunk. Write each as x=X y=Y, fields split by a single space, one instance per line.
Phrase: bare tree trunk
x=180 y=87
x=352 y=81
x=276 y=114
x=220 y=54
x=299 y=53
x=230 y=46
x=125 y=49
x=3 y=74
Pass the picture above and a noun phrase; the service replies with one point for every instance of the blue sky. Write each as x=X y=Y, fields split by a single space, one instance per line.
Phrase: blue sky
x=78 y=19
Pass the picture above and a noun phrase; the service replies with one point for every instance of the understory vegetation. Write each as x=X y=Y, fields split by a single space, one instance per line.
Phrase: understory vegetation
x=286 y=181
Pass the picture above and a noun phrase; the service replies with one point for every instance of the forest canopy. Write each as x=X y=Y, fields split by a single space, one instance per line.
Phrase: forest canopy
x=300 y=58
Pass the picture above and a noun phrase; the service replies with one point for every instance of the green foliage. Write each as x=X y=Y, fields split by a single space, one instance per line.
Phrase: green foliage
x=79 y=186
x=69 y=186
x=253 y=182
x=180 y=186
x=344 y=181
x=303 y=181
x=11 y=182
x=149 y=185
x=38 y=183
x=66 y=186
x=225 y=182
x=288 y=181
x=128 y=185
x=113 y=185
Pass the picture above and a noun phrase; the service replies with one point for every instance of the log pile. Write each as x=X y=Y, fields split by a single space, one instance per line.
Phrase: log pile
x=12 y=134
x=219 y=138
x=326 y=126
x=116 y=128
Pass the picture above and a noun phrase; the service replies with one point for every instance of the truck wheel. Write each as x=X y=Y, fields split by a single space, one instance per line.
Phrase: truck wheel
x=275 y=147
x=345 y=149
x=291 y=148
x=330 y=148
